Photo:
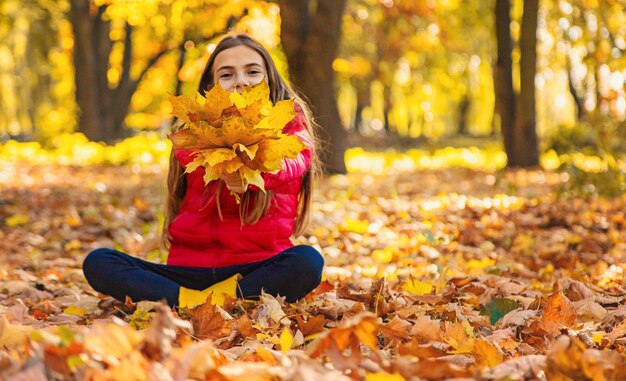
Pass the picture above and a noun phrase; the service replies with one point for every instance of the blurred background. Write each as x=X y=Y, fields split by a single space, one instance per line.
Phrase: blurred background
x=530 y=80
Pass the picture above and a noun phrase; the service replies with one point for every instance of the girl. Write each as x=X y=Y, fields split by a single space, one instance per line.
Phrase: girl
x=210 y=237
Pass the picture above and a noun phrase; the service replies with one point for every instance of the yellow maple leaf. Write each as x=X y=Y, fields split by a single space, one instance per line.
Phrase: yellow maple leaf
x=286 y=340
x=235 y=133
x=73 y=310
x=458 y=337
x=384 y=377
x=417 y=287
x=12 y=335
x=17 y=219
x=486 y=354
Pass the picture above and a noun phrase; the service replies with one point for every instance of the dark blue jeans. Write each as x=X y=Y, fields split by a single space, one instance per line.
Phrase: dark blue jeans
x=292 y=273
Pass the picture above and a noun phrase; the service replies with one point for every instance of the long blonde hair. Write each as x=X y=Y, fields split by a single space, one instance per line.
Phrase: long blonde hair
x=254 y=204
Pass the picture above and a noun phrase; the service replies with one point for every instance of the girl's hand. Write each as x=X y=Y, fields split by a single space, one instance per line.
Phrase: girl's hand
x=234 y=182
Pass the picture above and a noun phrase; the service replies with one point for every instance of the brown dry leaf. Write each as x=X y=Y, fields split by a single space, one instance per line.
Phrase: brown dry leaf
x=564 y=359
x=589 y=310
x=516 y=318
x=618 y=331
x=244 y=326
x=209 y=323
x=426 y=329
x=558 y=311
x=575 y=290
x=162 y=333
x=457 y=336
x=348 y=291
x=396 y=330
x=314 y=324
x=615 y=316
x=504 y=338
x=408 y=312
x=603 y=365
x=511 y=288
x=430 y=369
x=414 y=348
x=521 y=368
x=305 y=369
x=380 y=293
x=356 y=310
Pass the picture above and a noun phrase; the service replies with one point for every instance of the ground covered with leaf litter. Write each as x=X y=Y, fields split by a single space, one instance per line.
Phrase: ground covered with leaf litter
x=429 y=275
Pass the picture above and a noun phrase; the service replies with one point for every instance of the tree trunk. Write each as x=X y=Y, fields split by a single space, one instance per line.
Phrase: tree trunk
x=387 y=109
x=102 y=108
x=310 y=35
x=463 y=115
x=86 y=64
x=503 y=81
x=526 y=150
x=362 y=101
x=580 y=110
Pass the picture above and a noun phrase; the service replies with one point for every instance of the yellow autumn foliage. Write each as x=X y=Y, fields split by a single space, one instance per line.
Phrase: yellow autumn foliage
x=235 y=133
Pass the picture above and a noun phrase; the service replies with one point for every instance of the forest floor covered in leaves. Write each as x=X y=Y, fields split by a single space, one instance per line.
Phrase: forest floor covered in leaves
x=429 y=275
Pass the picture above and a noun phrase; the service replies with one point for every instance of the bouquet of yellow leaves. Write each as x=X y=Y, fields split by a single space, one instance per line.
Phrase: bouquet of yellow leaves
x=232 y=132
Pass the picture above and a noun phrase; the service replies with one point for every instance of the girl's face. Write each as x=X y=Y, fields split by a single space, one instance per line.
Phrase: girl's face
x=238 y=67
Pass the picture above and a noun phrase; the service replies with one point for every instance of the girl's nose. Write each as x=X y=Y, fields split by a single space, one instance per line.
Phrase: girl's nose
x=241 y=83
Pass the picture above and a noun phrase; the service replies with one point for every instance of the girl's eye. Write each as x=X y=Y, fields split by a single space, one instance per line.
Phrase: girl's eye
x=254 y=72
x=225 y=75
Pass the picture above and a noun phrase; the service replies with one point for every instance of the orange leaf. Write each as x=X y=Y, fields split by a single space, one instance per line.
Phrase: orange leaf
x=565 y=358
x=426 y=329
x=558 y=311
x=361 y=328
x=244 y=326
x=313 y=325
x=486 y=354
x=396 y=330
x=323 y=287
x=457 y=336
x=414 y=348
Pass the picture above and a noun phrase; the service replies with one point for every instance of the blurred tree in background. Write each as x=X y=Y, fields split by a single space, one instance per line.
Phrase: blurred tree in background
x=108 y=65
x=310 y=33
x=517 y=112
x=405 y=72
x=418 y=74
x=36 y=91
